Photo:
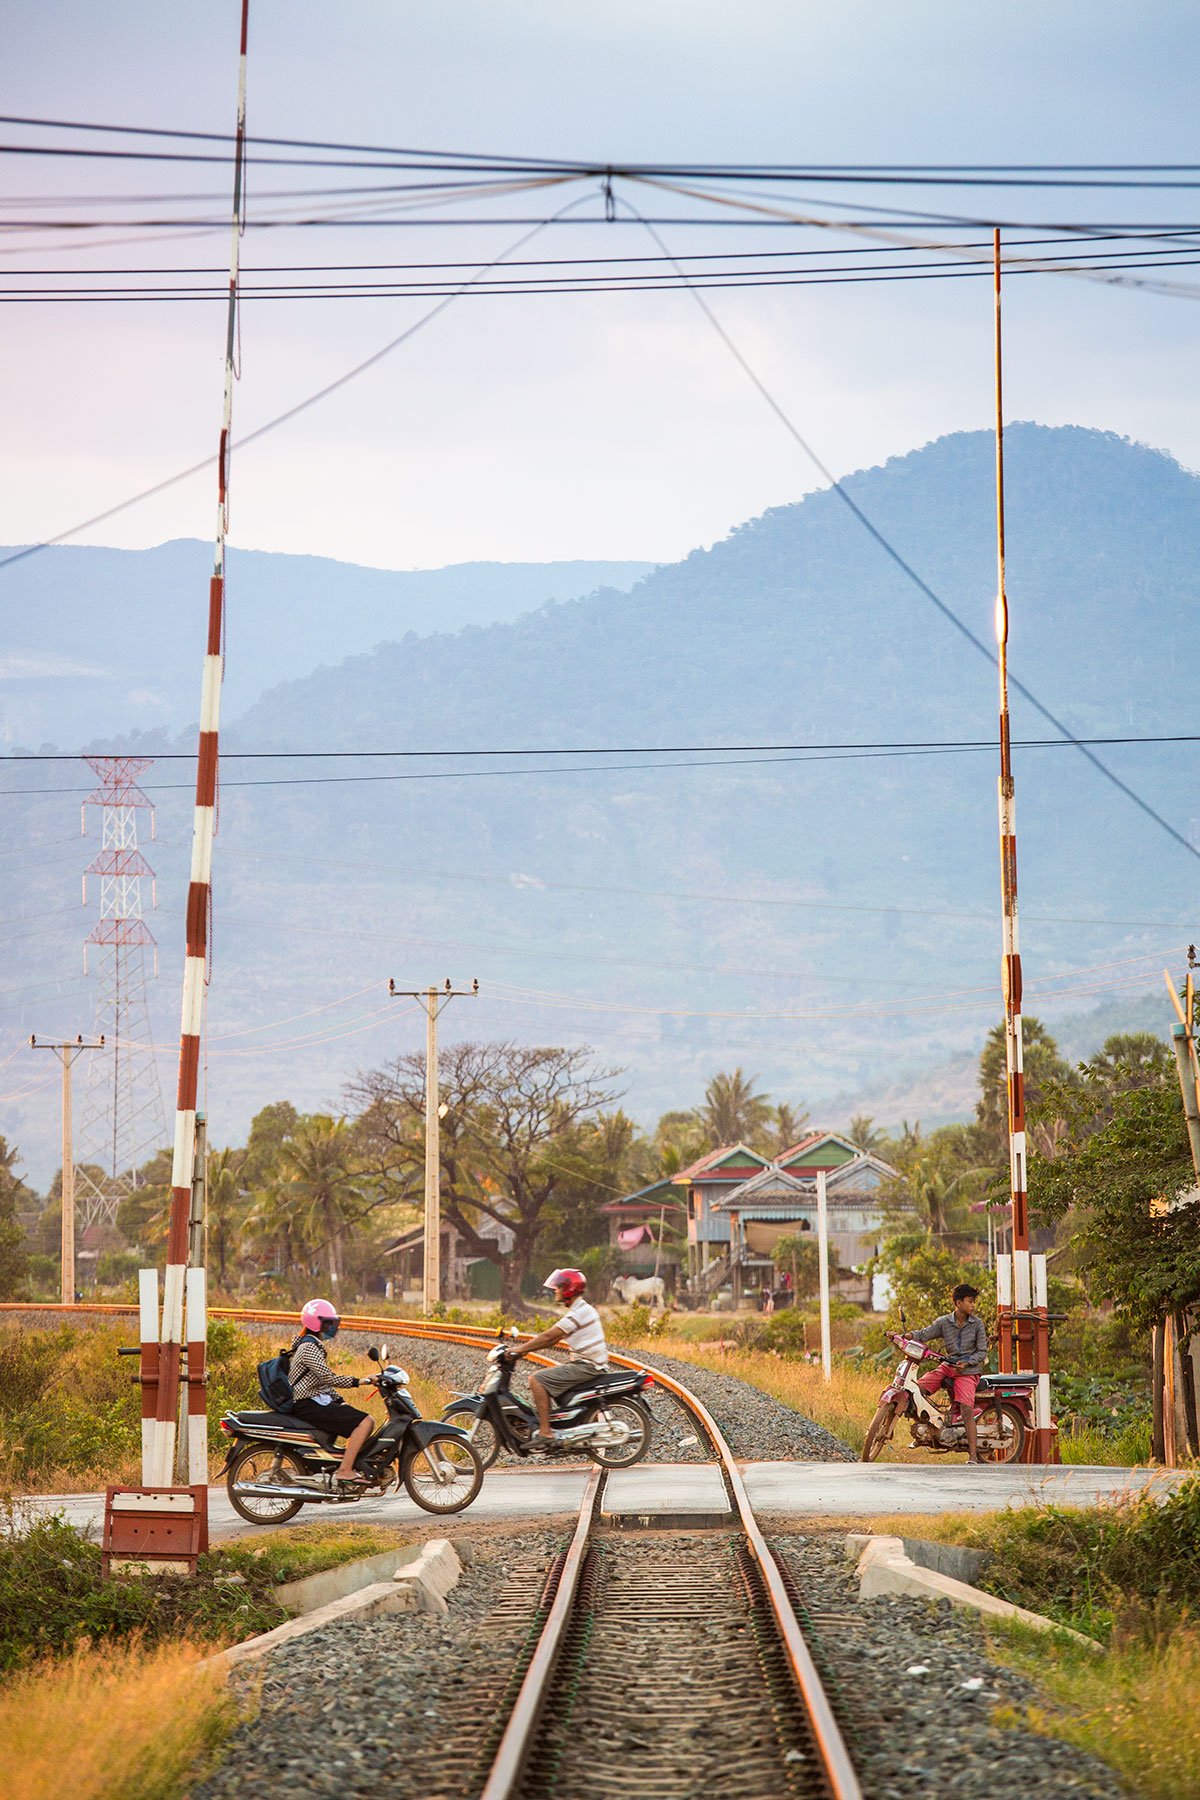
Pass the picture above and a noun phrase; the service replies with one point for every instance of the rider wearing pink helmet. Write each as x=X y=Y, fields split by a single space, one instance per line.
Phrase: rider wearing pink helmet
x=314 y=1386
x=581 y=1326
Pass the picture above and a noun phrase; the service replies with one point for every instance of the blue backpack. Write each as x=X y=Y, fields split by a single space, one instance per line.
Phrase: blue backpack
x=275 y=1381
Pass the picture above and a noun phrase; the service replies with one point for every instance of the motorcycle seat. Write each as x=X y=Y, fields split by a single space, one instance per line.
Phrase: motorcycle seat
x=282 y=1422
x=601 y=1381
x=1018 y=1378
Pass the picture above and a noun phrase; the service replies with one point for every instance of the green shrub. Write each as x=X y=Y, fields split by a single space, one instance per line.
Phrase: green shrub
x=1136 y=1566
x=118 y=1269
x=52 y=1595
x=629 y=1324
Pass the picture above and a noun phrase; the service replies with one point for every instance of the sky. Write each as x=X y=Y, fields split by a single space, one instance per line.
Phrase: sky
x=610 y=425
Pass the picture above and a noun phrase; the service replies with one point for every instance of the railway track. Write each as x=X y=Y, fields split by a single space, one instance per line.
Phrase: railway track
x=669 y=1665
x=658 y=1665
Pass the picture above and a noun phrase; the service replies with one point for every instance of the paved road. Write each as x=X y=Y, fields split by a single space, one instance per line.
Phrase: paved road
x=812 y=1490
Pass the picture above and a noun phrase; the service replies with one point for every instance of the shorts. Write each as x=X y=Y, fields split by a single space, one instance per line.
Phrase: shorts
x=566 y=1375
x=962 y=1387
x=336 y=1420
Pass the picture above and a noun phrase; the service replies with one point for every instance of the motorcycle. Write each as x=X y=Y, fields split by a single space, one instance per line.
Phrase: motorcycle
x=1003 y=1411
x=276 y=1464
x=603 y=1417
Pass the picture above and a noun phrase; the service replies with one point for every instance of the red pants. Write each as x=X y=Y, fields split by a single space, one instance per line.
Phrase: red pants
x=962 y=1387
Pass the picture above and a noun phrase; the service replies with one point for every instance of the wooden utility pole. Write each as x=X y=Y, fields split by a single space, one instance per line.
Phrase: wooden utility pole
x=66 y=1050
x=433 y=1000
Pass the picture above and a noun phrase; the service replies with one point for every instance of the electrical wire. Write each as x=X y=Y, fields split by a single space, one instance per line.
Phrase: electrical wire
x=847 y=744
x=291 y=412
x=906 y=568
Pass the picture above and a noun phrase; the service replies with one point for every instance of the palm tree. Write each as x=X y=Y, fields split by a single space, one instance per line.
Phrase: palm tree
x=789 y=1125
x=733 y=1112
x=224 y=1204
x=320 y=1179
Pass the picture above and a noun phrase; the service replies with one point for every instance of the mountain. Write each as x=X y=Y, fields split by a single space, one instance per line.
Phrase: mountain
x=95 y=642
x=827 y=921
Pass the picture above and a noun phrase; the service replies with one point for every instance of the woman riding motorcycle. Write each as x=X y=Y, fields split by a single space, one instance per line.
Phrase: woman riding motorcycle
x=314 y=1383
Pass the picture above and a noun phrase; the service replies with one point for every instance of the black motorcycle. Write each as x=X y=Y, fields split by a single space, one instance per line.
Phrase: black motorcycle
x=276 y=1464
x=603 y=1417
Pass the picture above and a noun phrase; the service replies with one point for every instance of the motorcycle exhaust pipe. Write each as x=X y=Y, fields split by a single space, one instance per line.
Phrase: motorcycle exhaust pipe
x=271 y=1490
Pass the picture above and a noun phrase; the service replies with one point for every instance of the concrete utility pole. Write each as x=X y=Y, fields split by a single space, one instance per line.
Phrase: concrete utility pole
x=434 y=1001
x=823 y=1274
x=66 y=1050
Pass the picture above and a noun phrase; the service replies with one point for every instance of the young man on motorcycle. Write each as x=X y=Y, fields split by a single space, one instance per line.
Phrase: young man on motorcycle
x=314 y=1383
x=964 y=1343
x=580 y=1326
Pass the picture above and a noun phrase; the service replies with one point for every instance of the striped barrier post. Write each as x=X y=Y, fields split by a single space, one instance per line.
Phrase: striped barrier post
x=1032 y=1349
x=160 y=1402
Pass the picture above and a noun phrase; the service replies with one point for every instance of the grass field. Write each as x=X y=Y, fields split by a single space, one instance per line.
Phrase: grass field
x=91 y=1726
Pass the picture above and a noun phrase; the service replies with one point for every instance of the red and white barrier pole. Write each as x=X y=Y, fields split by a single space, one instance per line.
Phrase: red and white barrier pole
x=1032 y=1349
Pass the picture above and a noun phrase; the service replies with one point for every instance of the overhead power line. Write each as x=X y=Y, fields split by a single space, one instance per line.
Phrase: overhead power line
x=906 y=568
x=847 y=744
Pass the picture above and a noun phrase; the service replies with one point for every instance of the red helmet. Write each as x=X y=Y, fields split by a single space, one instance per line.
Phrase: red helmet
x=566 y=1284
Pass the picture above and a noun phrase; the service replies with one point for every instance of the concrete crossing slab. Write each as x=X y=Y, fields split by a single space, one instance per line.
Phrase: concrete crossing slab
x=694 y=1490
x=848 y=1490
x=666 y=1495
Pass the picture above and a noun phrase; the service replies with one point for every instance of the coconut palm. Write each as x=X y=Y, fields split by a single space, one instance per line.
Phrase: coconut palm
x=733 y=1112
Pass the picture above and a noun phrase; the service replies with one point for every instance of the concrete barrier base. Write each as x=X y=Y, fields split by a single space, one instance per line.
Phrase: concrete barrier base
x=884 y=1567
x=420 y=1584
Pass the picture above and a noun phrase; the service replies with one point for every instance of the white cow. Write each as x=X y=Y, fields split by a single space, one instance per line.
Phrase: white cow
x=652 y=1290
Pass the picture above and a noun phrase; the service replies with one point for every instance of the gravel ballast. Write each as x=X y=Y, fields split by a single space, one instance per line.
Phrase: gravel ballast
x=894 y=1669
x=394 y=1708
x=403 y=1708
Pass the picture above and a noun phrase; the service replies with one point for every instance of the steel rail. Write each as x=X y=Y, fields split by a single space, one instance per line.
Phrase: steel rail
x=830 y=1745
x=511 y=1752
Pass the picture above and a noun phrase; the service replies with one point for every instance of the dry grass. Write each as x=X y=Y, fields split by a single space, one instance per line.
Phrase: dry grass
x=1135 y=1708
x=112 y=1724
x=844 y=1405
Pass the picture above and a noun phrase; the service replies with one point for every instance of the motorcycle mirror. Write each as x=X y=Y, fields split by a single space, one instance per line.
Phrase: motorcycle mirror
x=903 y=1320
x=374 y=1354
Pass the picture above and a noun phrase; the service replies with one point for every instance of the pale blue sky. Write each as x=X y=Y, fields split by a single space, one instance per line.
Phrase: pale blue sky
x=612 y=426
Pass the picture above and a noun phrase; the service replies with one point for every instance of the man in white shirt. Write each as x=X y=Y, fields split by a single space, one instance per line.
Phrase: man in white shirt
x=581 y=1329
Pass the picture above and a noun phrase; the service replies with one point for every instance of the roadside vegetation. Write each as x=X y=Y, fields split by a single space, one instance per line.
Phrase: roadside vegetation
x=91 y=1725
x=1127 y=1575
x=53 y=1598
x=70 y=1410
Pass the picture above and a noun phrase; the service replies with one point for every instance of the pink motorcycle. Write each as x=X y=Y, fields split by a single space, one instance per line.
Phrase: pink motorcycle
x=1003 y=1410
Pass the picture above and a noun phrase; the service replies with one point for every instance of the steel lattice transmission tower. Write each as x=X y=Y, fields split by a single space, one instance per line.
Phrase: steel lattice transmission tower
x=122 y=1115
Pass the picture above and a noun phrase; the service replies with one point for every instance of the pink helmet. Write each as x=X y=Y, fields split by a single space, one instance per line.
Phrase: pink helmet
x=316 y=1314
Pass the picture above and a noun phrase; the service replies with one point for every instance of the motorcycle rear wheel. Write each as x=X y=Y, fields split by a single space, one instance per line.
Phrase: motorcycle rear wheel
x=481 y=1432
x=262 y=1462
x=1012 y=1427
x=623 y=1456
x=460 y=1465
x=879 y=1430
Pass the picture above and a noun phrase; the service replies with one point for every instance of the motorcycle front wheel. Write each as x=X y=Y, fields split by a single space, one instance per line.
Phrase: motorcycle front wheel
x=262 y=1463
x=444 y=1476
x=1007 y=1439
x=633 y=1415
x=879 y=1430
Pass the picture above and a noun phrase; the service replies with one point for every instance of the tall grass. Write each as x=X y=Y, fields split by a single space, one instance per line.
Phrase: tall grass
x=119 y=1723
x=844 y=1405
x=1135 y=1708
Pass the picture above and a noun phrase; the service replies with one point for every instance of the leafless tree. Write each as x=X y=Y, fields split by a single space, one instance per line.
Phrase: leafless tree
x=506 y=1106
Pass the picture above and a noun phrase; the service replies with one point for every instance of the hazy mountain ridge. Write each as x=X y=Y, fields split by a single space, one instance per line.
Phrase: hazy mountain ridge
x=135 y=620
x=830 y=924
